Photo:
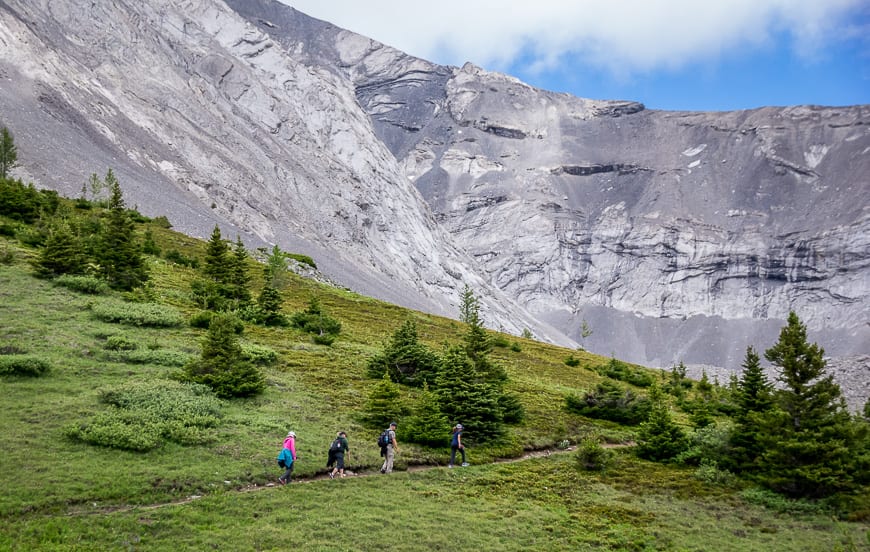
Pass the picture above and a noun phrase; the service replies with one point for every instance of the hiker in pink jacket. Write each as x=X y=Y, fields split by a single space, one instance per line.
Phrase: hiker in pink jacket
x=288 y=456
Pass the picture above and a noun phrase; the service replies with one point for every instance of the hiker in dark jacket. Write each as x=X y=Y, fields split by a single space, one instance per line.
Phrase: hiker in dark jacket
x=337 y=451
x=456 y=444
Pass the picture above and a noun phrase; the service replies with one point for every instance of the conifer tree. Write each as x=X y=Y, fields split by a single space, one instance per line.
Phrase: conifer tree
x=314 y=321
x=269 y=307
x=428 y=426
x=469 y=306
x=384 y=405
x=405 y=359
x=119 y=254
x=478 y=345
x=8 y=152
x=217 y=265
x=809 y=441
x=659 y=437
x=221 y=365
x=466 y=398
x=239 y=279
x=754 y=399
x=61 y=253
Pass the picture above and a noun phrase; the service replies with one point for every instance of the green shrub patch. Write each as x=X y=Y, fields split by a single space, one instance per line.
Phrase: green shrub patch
x=138 y=314
x=83 y=284
x=143 y=415
x=23 y=365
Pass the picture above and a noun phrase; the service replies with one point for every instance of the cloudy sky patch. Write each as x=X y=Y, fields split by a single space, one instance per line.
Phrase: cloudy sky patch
x=669 y=54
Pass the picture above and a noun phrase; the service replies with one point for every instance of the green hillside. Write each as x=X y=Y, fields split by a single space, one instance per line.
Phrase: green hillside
x=205 y=480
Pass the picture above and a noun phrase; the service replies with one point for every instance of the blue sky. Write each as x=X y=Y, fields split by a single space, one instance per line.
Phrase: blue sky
x=667 y=54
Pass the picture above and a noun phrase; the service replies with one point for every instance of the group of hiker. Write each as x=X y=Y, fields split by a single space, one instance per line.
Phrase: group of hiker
x=340 y=447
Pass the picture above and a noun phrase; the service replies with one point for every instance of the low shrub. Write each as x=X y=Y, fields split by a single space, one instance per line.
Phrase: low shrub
x=324 y=339
x=82 y=284
x=591 y=455
x=611 y=402
x=259 y=354
x=23 y=365
x=499 y=341
x=572 y=361
x=138 y=314
x=179 y=258
x=160 y=357
x=621 y=371
x=201 y=319
x=708 y=444
x=304 y=259
x=143 y=415
x=120 y=343
x=783 y=504
x=515 y=347
x=161 y=221
x=709 y=472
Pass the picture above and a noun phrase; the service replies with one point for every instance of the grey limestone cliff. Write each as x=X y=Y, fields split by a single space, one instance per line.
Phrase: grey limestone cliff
x=673 y=236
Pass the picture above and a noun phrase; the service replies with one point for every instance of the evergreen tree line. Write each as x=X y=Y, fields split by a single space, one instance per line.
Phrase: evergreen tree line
x=794 y=436
x=460 y=384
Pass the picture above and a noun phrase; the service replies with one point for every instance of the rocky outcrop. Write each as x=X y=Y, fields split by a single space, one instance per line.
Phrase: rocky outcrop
x=207 y=119
x=673 y=236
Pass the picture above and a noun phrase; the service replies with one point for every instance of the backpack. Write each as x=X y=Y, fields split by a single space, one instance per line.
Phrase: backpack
x=336 y=445
x=384 y=439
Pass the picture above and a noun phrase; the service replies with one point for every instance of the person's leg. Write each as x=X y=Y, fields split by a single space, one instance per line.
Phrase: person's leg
x=339 y=464
x=452 y=456
x=287 y=473
x=388 y=465
x=462 y=450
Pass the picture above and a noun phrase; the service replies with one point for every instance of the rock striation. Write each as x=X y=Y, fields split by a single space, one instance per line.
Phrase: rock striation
x=673 y=236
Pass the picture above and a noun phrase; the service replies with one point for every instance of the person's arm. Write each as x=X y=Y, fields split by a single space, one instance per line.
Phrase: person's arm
x=459 y=439
x=395 y=444
x=293 y=449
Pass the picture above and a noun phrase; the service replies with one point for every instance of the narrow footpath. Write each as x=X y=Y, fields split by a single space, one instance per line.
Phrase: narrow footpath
x=319 y=477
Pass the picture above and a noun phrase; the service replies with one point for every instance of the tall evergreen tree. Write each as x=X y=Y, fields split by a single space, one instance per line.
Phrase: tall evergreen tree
x=659 y=437
x=8 y=152
x=269 y=307
x=466 y=398
x=478 y=344
x=239 y=279
x=469 y=306
x=405 y=359
x=428 y=425
x=221 y=365
x=384 y=405
x=809 y=441
x=61 y=254
x=754 y=400
x=217 y=264
x=119 y=254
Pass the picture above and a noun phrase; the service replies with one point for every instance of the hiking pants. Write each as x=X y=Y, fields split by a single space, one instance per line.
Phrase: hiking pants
x=453 y=450
x=388 y=461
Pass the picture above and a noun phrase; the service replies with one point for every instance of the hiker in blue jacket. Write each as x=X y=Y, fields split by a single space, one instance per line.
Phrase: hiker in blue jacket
x=456 y=444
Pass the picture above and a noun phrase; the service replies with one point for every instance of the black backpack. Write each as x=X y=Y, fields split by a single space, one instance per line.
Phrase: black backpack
x=336 y=445
x=384 y=439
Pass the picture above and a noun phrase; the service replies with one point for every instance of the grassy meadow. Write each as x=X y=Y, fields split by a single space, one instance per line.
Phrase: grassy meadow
x=60 y=493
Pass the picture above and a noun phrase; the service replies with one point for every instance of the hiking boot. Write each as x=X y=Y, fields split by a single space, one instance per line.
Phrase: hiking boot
x=342 y=475
x=383 y=470
x=465 y=464
x=331 y=475
x=449 y=465
x=281 y=481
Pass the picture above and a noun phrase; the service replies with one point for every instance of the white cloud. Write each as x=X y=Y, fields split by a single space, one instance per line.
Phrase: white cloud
x=623 y=36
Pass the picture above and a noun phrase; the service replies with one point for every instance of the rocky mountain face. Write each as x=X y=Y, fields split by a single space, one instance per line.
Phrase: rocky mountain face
x=209 y=120
x=669 y=235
